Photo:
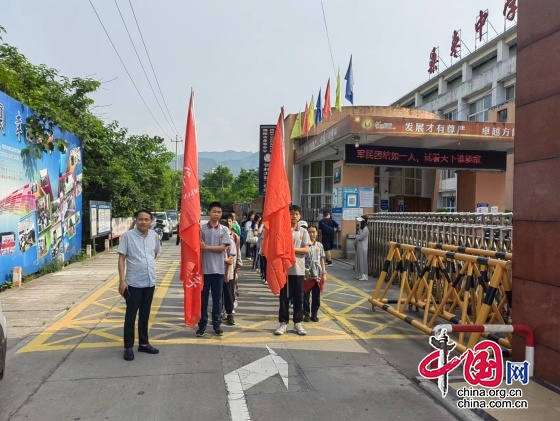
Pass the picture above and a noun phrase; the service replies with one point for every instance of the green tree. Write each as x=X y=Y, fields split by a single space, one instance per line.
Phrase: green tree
x=129 y=171
x=221 y=185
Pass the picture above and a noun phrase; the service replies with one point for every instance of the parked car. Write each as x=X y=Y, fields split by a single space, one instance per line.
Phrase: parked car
x=162 y=221
x=174 y=217
x=3 y=342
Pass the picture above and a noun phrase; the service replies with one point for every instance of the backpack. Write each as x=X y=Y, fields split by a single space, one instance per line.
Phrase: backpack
x=327 y=229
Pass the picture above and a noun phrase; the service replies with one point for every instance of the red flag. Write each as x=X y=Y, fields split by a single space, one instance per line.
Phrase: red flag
x=189 y=227
x=305 y=122
x=327 y=107
x=278 y=246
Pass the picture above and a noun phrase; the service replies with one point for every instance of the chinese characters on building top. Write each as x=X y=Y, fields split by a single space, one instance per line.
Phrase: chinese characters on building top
x=510 y=9
x=433 y=67
x=481 y=23
x=455 y=45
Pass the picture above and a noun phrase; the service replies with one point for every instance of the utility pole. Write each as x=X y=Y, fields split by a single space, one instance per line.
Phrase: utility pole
x=177 y=141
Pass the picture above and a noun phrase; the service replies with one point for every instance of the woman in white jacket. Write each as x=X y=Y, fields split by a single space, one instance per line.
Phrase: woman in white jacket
x=362 y=240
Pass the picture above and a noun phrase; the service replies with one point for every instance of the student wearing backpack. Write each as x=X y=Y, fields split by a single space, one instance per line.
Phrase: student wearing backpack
x=328 y=228
x=315 y=277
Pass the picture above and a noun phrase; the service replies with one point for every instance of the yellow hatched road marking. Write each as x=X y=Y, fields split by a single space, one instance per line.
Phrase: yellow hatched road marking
x=167 y=325
x=71 y=320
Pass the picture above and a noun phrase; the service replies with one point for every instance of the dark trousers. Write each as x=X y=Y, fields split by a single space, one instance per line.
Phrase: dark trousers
x=229 y=296
x=256 y=259
x=315 y=294
x=139 y=301
x=293 y=289
x=213 y=282
x=249 y=249
x=262 y=261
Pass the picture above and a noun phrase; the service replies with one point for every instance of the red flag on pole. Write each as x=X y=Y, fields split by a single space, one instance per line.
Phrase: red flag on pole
x=305 y=122
x=327 y=107
x=278 y=246
x=189 y=227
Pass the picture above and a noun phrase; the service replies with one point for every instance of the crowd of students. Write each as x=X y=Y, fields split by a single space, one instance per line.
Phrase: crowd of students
x=222 y=240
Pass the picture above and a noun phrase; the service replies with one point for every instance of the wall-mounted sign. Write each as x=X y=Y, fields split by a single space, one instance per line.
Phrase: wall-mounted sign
x=350 y=214
x=337 y=175
x=428 y=158
x=366 y=197
x=266 y=138
x=100 y=218
x=350 y=197
x=337 y=199
x=336 y=215
x=408 y=127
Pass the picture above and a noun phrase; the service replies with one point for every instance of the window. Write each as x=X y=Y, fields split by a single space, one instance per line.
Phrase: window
x=407 y=181
x=448 y=202
x=305 y=179
x=450 y=115
x=502 y=116
x=445 y=174
x=328 y=179
x=478 y=110
x=316 y=179
x=510 y=92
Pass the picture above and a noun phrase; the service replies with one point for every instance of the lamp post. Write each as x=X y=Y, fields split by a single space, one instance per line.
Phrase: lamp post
x=177 y=141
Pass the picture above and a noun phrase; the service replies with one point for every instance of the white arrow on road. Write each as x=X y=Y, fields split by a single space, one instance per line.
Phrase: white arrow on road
x=248 y=376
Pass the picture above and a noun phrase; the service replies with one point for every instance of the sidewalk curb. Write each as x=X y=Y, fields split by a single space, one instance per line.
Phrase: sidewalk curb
x=431 y=389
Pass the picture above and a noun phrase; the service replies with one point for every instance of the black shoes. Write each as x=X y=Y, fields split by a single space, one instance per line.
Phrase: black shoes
x=306 y=319
x=128 y=354
x=314 y=319
x=217 y=330
x=230 y=320
x=147 y=348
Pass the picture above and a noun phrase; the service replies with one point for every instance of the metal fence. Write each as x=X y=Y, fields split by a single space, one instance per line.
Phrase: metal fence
x=489 y=231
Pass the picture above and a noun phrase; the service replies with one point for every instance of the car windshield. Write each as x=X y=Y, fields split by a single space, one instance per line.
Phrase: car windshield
x=172 y=216
x=160 y=215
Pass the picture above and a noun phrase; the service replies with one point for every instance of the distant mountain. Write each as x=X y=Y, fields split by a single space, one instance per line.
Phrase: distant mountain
x=226 y=155
x=234 y=160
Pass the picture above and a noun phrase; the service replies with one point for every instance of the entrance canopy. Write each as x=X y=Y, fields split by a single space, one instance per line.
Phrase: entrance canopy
x=410 y=141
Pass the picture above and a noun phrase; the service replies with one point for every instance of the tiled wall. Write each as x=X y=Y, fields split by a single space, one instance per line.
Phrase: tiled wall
x=536 y=264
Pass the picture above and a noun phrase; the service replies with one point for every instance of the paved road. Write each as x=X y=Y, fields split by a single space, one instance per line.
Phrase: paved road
x=65 y=355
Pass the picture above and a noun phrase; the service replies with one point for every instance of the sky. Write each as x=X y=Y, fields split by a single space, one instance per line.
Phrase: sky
x=245 y=59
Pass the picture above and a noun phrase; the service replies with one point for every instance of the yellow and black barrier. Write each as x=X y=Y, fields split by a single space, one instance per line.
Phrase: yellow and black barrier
x=459 y=284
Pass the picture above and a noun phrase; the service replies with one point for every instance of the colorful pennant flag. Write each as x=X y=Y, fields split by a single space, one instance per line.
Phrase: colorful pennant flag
x=327 y=107
x=319 y=109
x=349 y=95
x=311 y=112
x=305 y=123
x=296 y=131
x=338 y=98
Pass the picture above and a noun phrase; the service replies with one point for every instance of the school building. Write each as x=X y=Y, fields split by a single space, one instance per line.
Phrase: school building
x=447 y=143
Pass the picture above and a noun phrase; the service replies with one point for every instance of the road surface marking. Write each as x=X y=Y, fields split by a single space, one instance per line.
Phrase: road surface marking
x=242 y=379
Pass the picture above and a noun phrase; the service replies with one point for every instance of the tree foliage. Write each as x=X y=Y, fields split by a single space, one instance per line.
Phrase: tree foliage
x=223 y=186
x=131 y=171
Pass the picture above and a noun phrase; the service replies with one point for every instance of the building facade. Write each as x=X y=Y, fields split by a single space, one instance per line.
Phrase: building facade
x=467 y=109
x=478 y=87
